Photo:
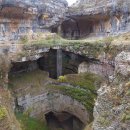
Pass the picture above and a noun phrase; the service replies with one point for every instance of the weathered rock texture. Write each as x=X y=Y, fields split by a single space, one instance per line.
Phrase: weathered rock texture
x=112 y=108
x=122 y=61
x=21 y=17
x=102 y=18
x=96 y=18
x=101 y=69
x=52 y=102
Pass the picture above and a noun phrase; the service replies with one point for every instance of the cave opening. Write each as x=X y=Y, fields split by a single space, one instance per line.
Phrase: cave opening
x=78 y=27
x=59 y=62
x=55 y=62
x=63 y=121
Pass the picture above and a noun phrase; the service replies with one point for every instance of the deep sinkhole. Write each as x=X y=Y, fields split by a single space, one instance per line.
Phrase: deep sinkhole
x=56 y=63
x=63 y=120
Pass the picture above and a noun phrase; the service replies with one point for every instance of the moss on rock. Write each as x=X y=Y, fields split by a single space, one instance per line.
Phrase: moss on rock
x=83 y=90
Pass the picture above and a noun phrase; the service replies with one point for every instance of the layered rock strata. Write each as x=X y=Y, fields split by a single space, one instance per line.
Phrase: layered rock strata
x=19 y=18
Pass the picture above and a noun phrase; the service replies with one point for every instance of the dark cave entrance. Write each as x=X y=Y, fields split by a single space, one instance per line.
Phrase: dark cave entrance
x=63 y=121
x=77 y=27
x=60 y=62
x=55 y=62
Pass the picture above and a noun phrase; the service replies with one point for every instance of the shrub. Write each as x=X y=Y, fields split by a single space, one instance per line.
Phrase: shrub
x=3 y=112
x=108 y=40
x=128 y=93
x=103 y=121
x=24 y=39
x=62 y=79
x=125 y=117
x=127 y=85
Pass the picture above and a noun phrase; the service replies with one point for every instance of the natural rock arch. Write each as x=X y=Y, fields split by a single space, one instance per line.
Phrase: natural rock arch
x=47 y=102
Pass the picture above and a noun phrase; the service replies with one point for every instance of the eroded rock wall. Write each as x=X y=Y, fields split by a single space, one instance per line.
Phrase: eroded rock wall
x=40 y=105
x=102 y=69
x=96 y=18
x=112 y=108
x=21 y=18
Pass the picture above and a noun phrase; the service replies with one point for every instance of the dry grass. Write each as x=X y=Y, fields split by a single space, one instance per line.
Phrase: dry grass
x=89 y=127
x=24 y=82
x=122 y=39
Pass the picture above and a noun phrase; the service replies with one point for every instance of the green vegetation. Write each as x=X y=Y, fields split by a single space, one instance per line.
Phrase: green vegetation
x=51 y=39
x=24 y=40
x=62 y=79
x=126 y=116
x=84 y=89
x=128 y=92
x=27 y=81
x=3 y=112
x=28 y=123
x=87 y=81
x=103 y=121
x=85 y=97
x=34 y=78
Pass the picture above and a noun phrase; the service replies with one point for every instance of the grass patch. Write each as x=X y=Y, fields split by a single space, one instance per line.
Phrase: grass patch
x=28 y=82
x=87 y=81
x=34 y=78
x=28 y=123
x=85 y=97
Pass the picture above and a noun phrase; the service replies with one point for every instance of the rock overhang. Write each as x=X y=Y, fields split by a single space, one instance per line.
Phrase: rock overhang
x=107 y=17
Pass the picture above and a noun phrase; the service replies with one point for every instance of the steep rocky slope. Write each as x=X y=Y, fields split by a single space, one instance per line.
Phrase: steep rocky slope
x=112 y=108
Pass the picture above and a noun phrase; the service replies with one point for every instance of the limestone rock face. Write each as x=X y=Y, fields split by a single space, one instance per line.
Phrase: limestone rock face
x=104 y=70
x=112 y=107
x=97 y=18
x=122 y=63
x=19 y=17
x=45 y=103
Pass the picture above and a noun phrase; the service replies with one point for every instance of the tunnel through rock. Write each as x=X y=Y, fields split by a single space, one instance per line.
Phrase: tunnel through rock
x=63 y=121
